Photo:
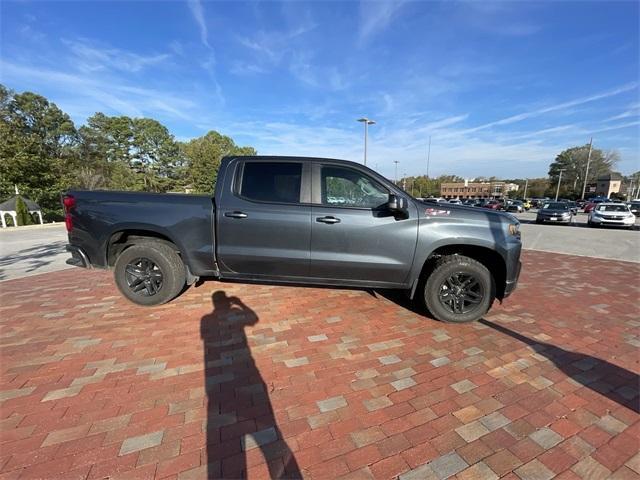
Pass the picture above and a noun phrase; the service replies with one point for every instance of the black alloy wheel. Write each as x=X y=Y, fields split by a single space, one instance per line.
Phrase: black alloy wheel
x=144 y=277
x=461 y=293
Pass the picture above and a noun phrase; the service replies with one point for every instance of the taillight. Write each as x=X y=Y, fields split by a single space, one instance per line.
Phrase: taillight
x=68 y=201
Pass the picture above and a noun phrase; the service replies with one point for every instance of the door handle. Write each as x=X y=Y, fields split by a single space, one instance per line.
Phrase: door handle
x=236 y=214
x=329 y=220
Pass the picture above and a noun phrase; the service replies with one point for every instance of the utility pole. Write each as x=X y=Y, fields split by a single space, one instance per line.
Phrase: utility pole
x=404 y=181
x=526 y=184
x=559 y=180
x=428 y=156
x=395 y=178
x=586 y=173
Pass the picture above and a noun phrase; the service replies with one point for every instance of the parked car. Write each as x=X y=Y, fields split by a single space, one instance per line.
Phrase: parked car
x=556 y=212
x=301 y=220
x=573 y=206
x=611 y=214
x=589 y=206
x=515 y=206
x=480 y=202
x=634 y=206
x=493 y=205
x=455 y=201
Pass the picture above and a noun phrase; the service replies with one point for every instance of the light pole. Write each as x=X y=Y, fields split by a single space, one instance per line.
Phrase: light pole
x=559 y=180
x=395 y=178
x=428 y=156
x=366 y=122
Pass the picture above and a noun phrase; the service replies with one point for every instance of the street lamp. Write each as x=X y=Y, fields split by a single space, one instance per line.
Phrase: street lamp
x=366 y=122
x=559 y=180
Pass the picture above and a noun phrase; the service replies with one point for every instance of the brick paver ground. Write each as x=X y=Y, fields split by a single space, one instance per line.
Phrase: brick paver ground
x=232 y=380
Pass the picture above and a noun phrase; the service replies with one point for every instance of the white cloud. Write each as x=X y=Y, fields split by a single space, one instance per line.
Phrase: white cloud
x=195 y=6
x=376 y=15
x=556 y=107
x=89 y=57
x=83 y=93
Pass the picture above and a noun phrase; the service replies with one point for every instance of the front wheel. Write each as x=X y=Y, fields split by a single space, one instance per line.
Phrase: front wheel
x=460 y=289
x=149 y=273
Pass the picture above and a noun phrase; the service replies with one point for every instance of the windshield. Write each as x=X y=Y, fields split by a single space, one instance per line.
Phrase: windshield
x=555 y=206
x=612 y=208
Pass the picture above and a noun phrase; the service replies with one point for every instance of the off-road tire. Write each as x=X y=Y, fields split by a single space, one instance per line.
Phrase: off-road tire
x=165 y=260
x=445 y=268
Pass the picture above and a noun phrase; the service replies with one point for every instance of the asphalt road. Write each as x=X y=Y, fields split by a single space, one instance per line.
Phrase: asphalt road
x=32 y=250
x=580 y=239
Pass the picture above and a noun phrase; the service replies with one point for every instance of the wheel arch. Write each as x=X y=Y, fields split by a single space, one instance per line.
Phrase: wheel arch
x=123 y=238
x=487 y=256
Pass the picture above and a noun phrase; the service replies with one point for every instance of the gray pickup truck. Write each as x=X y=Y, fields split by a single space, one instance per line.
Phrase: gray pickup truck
x=294 y=220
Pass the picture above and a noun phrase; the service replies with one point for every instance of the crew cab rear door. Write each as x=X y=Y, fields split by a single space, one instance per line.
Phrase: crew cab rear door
x=355 y=239
x=264 y=219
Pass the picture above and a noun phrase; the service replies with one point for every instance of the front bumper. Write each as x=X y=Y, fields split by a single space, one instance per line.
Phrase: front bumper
x=624 y=222
x=78 y=257
x=556 y=219
x=510 y=285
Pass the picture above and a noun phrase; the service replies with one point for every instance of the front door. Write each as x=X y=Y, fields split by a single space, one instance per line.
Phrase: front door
x=264 y=227
x=354 y=237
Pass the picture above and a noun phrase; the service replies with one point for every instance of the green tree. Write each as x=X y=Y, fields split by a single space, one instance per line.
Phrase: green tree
x=203 y=155
x=573 y=162
x=130 y=154
x=37 y=142
x=22 y=213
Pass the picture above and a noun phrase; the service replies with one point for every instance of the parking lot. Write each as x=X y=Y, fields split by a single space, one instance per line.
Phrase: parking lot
x=264 y=381
x=580 y=239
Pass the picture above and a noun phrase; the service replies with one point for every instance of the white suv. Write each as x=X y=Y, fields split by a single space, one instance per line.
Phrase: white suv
x=611 y=214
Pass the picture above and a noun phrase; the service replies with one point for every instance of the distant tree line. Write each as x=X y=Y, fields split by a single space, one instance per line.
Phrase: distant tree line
x=43 y=153
x=573 y=162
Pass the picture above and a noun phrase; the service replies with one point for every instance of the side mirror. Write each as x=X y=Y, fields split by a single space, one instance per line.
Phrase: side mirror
x=397 y=203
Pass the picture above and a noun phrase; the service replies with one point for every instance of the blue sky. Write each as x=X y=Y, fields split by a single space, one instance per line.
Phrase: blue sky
x=501 y=87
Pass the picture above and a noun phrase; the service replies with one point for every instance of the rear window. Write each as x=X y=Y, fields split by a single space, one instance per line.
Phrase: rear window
x=276 y=182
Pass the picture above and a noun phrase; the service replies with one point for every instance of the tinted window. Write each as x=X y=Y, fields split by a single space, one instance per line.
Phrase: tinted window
x=350 y=188
x=271 y=182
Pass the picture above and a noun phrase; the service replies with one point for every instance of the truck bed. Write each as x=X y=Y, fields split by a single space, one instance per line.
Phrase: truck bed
x=186 y=220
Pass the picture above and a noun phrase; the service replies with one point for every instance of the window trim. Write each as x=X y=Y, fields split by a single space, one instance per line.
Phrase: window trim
x=316 y=188
x=305 y=180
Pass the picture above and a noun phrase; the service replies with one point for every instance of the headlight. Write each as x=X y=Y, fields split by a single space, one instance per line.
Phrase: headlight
x=596 y=213
x=514 y=229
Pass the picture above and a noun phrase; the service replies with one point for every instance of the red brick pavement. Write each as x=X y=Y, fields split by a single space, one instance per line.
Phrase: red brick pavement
x=321 y=383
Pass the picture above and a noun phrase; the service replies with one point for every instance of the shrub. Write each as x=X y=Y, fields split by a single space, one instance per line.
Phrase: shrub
x=22 y=212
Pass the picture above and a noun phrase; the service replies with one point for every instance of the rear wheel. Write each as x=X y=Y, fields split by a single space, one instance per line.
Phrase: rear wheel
x=150 y=273
x=460 y=289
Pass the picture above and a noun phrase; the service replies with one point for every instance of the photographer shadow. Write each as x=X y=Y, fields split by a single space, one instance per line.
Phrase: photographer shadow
x=240 y=417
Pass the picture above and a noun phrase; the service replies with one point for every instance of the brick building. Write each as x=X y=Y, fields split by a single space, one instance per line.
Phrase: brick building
x=464 y=190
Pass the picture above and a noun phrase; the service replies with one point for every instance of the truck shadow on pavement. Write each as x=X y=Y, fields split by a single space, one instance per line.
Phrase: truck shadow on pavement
x=614 y=382
x=240 y=418
x=35 y=257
